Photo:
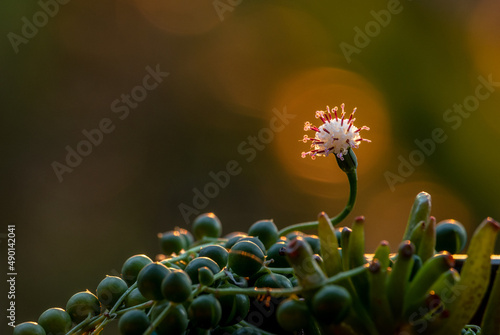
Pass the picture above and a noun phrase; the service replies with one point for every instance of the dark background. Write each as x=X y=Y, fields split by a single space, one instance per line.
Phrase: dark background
x=230 y=72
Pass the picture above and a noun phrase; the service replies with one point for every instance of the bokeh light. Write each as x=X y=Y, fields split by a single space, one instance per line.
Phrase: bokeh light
x=180 y=18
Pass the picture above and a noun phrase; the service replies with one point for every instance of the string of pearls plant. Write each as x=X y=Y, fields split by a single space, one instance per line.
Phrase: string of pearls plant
x=270 y=281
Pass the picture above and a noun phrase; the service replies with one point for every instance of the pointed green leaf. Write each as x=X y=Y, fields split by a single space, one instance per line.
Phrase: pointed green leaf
x=474 y=277
x=329 y=246
x=383 y=253
x=425 y=250
x=379 y=304
x=397 y=282
x=419 y=212
x=491 y=317
x=357 y=258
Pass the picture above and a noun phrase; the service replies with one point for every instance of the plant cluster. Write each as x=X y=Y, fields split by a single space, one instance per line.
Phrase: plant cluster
x=270 y=281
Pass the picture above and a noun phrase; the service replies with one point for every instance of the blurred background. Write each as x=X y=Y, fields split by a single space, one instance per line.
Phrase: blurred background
x=181 y=92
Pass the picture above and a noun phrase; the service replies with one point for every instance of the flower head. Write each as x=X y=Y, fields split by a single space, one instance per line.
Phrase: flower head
x=336 y=135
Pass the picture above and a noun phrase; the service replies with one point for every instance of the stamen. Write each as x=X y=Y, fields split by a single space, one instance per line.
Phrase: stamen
x=329 y=114
x=362 y=128
x=315 y=128
x=352 y=114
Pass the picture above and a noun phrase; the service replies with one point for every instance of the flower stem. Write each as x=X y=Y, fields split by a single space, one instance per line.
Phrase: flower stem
x=353 y=189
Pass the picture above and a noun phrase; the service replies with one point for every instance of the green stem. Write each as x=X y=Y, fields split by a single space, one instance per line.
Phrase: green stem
x=353 y=189
x=219 y=275
x=205 y=242
x=155 y=302
x=124 y=295
x=209 y=240
x=110 y=316
x=107 y=319
x=280 y=292
x=313 y=328
x=159 y=319
x=144 y=305
x=84 y=323
x=254 y=291
x=282 y=271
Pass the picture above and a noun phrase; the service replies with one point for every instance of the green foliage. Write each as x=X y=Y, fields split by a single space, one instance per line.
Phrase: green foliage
x=316 y=285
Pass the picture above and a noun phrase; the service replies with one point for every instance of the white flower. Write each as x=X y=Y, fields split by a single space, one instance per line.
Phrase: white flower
x=335 y=135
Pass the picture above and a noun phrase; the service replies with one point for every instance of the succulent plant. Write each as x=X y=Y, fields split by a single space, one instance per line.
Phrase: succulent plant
x=317 y=284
